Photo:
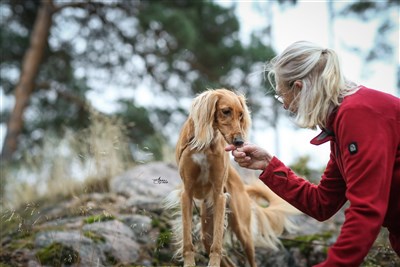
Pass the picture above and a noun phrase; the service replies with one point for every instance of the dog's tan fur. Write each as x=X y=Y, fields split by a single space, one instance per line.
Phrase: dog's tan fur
x=218 y=117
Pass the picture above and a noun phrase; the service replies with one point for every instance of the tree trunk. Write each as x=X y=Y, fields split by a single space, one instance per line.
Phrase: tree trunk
x=26 y=84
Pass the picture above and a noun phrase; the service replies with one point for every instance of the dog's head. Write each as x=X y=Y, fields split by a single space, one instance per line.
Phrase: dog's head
x=219 y=110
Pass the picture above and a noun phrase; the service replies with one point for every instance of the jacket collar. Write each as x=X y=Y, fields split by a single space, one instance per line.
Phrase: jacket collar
x=327 y=133
x=325 y=136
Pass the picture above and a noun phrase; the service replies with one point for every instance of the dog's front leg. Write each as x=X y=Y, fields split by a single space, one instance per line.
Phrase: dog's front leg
x=188 y=248
x=219 y=214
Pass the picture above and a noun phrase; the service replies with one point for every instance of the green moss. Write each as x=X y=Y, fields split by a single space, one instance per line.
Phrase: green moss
x=155 y=222
x=57 y=254
x=306 y=243
x=95 y=237
x=164 y=238
x=99 y=218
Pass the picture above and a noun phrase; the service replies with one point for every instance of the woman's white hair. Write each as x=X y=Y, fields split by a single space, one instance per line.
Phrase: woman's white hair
x=324 y=85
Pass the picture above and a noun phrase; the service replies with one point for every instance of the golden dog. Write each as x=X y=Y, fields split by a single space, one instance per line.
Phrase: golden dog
x=219 y=117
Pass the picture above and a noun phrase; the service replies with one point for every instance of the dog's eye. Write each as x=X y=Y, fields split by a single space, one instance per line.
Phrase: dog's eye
x=226 y=112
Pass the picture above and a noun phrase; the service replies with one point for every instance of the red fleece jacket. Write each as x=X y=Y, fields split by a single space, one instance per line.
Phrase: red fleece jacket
x=364 y=168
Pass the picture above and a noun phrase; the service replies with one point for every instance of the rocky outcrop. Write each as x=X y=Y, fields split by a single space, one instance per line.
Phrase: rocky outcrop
x=127 y=226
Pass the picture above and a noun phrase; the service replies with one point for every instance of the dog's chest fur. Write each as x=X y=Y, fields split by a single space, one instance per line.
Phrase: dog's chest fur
x=202 y=161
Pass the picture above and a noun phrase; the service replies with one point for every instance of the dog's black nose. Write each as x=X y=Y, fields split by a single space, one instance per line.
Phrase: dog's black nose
x=238 y=141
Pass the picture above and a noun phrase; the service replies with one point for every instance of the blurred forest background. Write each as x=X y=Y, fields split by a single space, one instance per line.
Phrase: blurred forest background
x=58 y=56
x=90 y=89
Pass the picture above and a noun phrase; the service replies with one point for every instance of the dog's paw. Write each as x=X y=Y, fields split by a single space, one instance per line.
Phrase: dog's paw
x=215 y=260
x=188 y=260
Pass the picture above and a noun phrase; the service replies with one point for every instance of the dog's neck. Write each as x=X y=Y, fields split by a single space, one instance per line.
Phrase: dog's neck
x=214 y=143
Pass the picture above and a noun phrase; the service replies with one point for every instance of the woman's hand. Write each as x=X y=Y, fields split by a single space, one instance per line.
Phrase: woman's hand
x=250 y=156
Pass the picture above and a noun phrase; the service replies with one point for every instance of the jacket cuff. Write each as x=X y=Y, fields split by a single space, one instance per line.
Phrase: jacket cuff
x=276 y=170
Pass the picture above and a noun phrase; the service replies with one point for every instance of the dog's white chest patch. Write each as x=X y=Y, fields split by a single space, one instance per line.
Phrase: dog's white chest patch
x=201 y=160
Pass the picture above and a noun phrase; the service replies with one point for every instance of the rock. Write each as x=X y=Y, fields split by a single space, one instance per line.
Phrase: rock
x=272 y=258
x=129 y=227
x=89 y=253
x=140 y=225
x=119 y=241
x=153 y=180
x=97 y=243
x=70 y=223
x=143 y=203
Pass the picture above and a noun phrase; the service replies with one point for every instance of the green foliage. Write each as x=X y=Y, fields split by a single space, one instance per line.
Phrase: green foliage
x=164 y=238
x=360 y=7
x=57 y=255
x=50 y=112
x=155 y=222
x=99 y=218
x=200 y=33
x=139 y=128
x=194 y=42
x=163 y=252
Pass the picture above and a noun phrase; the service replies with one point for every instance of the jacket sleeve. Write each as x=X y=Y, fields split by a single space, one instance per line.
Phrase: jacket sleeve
x=367 y=152
x=318 y=201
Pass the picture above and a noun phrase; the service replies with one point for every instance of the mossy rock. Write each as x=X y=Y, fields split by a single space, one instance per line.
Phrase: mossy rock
x=57 y=254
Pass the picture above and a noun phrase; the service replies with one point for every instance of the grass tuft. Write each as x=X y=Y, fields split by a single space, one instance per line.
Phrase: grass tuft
x=57 y=255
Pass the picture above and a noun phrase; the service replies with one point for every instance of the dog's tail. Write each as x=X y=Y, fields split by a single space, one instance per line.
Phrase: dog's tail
x=270 y=215
x=171 y=203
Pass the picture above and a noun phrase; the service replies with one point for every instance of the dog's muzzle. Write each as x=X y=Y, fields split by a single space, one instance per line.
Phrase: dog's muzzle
x=238 y=141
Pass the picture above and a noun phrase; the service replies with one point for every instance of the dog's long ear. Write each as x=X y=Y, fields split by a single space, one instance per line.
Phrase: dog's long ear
x=203 y=113
x=246 y=121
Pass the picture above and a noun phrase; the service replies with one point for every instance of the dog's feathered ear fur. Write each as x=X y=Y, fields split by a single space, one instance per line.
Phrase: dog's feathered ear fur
x=246 y=116
x=203 y=113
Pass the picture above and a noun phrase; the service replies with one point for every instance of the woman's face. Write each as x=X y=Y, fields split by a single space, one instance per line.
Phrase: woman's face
x=286 y=94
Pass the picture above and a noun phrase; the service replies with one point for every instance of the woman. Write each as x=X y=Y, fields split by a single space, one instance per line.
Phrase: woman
x=363 y=128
